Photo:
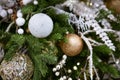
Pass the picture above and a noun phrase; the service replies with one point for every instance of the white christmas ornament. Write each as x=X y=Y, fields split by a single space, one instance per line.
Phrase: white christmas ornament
x=40 y=25
x=20 y=21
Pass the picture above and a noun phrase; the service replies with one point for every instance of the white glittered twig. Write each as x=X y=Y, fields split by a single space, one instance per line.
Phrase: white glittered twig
x=113 y=57
x=98 y=78
x=90 y=57
x=95 y=42
x=85 y=77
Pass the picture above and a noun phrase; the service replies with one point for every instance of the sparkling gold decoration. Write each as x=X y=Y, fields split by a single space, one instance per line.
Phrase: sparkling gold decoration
x=72 y=46
x=19 y=67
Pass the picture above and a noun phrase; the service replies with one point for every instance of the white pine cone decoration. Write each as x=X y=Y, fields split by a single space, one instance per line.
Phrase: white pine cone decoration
x=19 y=67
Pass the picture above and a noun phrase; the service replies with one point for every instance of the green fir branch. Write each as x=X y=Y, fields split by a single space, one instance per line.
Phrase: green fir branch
x=4 y=37
x=37 y=75
x=49 y=58
x=28 y=9
x=16 y=41
x=39 y=65
x=109 y=69
x=41 y=54
x=102 y=49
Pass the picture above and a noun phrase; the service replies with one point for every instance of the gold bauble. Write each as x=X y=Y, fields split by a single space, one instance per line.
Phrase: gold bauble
x=113 y=4
x=20 y=67
x=72 y=46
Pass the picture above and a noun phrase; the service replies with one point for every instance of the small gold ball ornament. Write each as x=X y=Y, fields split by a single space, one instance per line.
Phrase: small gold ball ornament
x=73 y=45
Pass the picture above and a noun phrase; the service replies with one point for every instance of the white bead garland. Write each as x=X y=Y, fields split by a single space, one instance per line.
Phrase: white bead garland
x=63 y=61
x=58 y=67
x=20 y=21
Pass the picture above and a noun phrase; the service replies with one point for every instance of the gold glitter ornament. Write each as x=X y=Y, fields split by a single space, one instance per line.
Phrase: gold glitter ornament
x=19 y=67
x=73 y=45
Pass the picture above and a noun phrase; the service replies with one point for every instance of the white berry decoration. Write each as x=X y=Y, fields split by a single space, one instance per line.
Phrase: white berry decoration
x=3 y=13
x=78 y=63
x=69 y=70
x=40 y=25
x=35 y=2
x=25 y=2
x=10 y=11
x=64 y=57
x=57 y=73
x=74 y=67
x=20 y=31
x=69 y=78
x=20 y=21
